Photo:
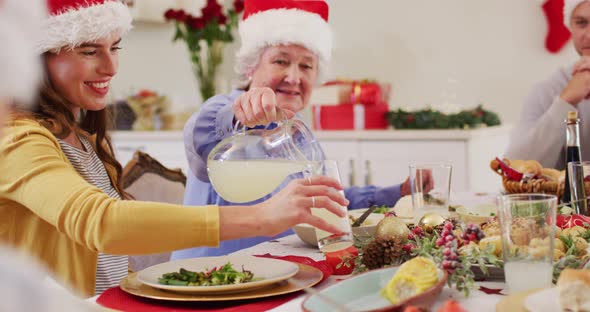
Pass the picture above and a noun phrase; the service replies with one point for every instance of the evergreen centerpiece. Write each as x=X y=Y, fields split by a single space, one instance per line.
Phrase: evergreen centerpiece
x=433 y=119
x=205 y=37
x=460 y=249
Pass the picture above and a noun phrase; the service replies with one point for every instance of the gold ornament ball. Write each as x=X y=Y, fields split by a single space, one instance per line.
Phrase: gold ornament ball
x=431 y=219
x=391 y=227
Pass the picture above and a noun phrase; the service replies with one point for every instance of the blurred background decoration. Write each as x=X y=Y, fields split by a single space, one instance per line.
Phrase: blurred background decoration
x=151 y=111
x=205 y=37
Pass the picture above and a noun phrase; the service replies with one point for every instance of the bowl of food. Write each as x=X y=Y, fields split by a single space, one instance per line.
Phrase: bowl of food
x=306 y=232
x=418 y=282
x=476 y=214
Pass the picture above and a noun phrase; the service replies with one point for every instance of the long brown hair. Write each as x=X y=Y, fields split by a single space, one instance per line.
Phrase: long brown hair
x=52 y=111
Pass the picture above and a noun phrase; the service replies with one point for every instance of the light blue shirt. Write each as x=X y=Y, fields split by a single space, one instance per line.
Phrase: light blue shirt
x=202 y=132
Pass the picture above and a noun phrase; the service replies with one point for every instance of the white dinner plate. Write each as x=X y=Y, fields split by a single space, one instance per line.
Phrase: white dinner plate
x=546 y=300
x=266 y=272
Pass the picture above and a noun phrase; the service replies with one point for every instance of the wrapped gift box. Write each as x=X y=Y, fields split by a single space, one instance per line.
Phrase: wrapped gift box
x=349 y=117
x=351 y=92
x=361 y=92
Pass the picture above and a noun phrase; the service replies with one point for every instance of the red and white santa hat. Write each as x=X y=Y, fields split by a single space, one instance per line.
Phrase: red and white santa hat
x=568 y=9
x=269 y=23
x=73 y=22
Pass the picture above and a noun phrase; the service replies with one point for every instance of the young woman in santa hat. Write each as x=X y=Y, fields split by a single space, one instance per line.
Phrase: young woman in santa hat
x=60 y=187
x=540 y=134
x=286 y=47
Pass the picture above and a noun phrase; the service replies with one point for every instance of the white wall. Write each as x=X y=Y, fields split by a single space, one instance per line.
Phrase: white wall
x=494 y=50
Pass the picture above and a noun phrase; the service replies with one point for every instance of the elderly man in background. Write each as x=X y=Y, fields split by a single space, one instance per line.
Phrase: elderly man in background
x=540 y=134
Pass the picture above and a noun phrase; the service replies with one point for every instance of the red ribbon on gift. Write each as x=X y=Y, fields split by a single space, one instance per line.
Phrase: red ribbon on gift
x=115 y=298
x=367 y=93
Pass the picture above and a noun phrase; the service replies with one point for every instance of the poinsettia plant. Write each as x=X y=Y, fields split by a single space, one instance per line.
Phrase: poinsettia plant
x=205 y=37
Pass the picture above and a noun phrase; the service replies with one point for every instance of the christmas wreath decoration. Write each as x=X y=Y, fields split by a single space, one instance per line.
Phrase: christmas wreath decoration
x=433 y=119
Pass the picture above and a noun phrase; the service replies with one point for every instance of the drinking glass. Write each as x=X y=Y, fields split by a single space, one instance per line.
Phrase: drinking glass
x=527 y=227
x=328 y=242
x=578 y=172
x=431 y=187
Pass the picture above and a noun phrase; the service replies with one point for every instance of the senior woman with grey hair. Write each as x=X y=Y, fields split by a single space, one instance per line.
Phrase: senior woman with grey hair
x=286 y=47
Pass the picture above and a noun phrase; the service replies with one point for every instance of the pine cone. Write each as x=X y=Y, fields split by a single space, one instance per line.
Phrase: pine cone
x=381 y=252
x=373 y=255
x=393 y=254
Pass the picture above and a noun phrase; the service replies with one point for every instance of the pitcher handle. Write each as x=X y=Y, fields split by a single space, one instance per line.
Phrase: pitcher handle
x=239 y=127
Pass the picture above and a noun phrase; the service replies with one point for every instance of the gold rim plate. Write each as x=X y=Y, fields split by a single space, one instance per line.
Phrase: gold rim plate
x=307 y=276
x=515 y=302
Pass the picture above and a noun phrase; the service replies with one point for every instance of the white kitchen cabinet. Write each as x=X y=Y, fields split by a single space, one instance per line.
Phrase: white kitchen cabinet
x=346 y=154
x=387 y=161
x=165 y=146
x=379 y=157
x=382 y=157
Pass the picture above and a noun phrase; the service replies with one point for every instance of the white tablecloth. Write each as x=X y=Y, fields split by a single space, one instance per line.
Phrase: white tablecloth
x=292 y=245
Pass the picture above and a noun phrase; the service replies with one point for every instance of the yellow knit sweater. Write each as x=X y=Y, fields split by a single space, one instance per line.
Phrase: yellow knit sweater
x=48 y=210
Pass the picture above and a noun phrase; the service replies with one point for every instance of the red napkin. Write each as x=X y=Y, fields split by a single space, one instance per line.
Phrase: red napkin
x=566 y=221
x=115 y=298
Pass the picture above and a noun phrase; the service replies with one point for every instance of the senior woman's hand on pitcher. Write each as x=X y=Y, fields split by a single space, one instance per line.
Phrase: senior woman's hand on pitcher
x=258 y=106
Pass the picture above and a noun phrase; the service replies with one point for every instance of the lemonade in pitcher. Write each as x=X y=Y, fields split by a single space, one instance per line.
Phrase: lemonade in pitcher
x=253 y=163
x=242 y=181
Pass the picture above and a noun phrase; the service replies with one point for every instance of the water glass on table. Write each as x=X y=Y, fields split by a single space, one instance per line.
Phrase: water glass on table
x=431 y=188
x=328 y=242
x=527 y=227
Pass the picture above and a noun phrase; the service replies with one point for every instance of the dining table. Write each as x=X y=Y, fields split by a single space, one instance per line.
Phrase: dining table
x=483 y=297
x=479 y=299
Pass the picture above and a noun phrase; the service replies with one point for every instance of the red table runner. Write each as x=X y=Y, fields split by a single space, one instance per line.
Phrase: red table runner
x=115 y=298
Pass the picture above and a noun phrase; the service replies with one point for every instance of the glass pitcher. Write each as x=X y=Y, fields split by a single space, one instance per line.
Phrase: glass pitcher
x=252 y=164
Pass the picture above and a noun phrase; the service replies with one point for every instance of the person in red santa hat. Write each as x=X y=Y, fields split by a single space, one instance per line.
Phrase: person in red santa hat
x=22 y=277
x=20 y=65
x=286 y=46
x=540 y=134
x=60 y=188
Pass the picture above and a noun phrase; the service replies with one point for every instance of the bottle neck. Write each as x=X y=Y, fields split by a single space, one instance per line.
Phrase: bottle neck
x=572 y=137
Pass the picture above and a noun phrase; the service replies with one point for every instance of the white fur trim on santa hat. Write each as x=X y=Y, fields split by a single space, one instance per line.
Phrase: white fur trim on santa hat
x=74 y=27
x=568 y=8
x=286 y=26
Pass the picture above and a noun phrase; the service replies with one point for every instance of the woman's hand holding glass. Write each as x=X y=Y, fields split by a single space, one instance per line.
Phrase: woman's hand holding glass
x=258 y=106
x=292 y=205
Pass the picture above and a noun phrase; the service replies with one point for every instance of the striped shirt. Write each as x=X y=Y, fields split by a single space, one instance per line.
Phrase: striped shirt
x=110 y=269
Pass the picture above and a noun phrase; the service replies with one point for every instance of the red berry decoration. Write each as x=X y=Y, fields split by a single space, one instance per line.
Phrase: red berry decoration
x=472 y=234
x=390 y=213
x=408 y=248
x=449 y=240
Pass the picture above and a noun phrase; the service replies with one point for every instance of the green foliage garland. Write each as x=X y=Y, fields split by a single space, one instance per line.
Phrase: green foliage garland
x=432 y=119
